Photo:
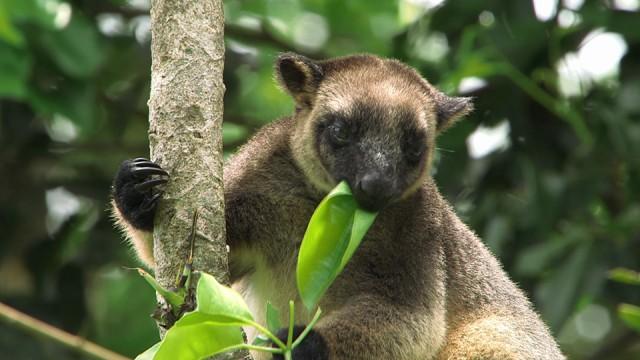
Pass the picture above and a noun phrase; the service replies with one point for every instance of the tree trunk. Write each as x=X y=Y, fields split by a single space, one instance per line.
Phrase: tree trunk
x=185 y=126
x=185 y=134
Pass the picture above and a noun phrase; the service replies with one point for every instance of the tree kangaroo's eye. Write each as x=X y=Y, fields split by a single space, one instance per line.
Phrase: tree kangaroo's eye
x=339 y=133
x=415 y=152
x=415 y=147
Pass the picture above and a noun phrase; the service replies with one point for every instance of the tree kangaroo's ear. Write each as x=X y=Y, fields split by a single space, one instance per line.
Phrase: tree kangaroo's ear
x=300 y=76
x=450 y=109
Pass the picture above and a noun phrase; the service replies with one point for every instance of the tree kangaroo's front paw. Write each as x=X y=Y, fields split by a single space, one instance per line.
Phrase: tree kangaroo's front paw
x=313 y=347
x=135 y=191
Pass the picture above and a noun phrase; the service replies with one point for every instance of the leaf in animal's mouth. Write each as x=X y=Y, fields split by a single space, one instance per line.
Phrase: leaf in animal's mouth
x=334 y=233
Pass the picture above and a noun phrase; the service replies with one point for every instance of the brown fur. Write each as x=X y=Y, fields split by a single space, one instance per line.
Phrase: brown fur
x=421 y=285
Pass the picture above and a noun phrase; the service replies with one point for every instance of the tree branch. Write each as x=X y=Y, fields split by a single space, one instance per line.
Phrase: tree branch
x=42 y=329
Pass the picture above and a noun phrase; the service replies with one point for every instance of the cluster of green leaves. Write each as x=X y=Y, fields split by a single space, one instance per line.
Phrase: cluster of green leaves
x=214 y=326
x=335 y=231
x=558 y=206
x=73 y=46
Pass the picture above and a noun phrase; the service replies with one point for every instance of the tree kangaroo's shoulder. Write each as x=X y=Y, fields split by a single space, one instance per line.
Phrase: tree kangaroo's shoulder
x=266 y=151
x=264 y=165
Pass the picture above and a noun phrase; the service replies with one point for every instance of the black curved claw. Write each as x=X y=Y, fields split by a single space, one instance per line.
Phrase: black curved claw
x=139 y=159
x=146 y=163
x=144 y=186
x=144 y=171
x=150 y=203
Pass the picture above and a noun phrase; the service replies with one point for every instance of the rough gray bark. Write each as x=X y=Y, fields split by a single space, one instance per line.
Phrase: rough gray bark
x=185 y=134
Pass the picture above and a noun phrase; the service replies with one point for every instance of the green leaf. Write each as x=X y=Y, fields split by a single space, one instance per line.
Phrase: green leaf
x=150 y=353
x=362 y=221
x=557 y=293
x=40 y=13
x=197 y=341
x=196 y=317
x=625 y=276
x=630 y=314
x=220 y=303
x=217 y=304
x=8 y=32
x=118 y=297
x=233 y=133
x=73 y=99
x=273 y=318
x=173 y=298
x=14 y=76
x=334 y=232
x=213 y=327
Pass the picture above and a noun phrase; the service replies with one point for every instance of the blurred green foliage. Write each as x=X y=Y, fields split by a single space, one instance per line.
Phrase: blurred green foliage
x=556 y=197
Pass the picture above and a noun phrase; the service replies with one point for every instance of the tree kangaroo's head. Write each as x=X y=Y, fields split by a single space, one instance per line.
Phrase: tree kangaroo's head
x=366 y=120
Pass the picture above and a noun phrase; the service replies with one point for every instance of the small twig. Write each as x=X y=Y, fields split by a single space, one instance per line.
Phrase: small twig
x=40 y=328
x=183 y=280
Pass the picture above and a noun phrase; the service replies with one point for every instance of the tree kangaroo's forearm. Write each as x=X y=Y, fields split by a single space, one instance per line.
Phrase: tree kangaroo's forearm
x=252 y=234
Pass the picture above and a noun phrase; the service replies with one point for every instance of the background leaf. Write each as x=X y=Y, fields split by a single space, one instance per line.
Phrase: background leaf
x=76 y=49
x=630 y=314
x=15 y=65
x=8 y=32
x=625 y=276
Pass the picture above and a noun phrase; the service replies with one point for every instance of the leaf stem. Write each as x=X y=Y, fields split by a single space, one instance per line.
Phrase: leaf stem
x=263 y=348
x=306 y=330
x=268 y=333
x=291 y=324
x=251 y=347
